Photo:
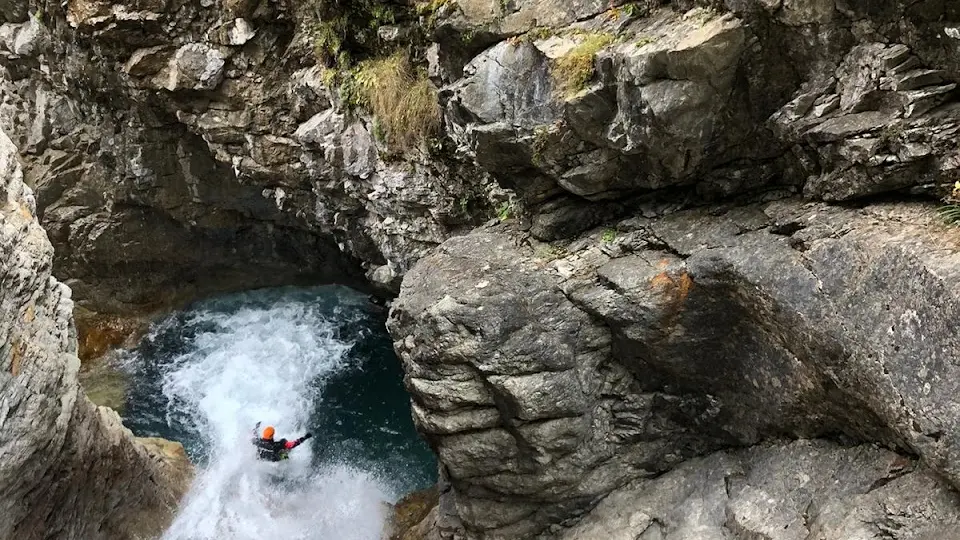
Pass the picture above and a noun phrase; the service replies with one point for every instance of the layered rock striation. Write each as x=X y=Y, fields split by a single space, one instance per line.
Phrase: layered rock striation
x=548 y=376
x=179 y=149
x=711 y=235
x=68 y=469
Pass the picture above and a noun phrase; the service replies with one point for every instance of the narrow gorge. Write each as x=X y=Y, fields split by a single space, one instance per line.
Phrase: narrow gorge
x=654 y=270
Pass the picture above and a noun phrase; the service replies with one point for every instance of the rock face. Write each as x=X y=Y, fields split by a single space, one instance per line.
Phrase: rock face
x=546 y=377
x=182 y=148
x=176 y=153
x=186 y=148
x=797 y=491
x=835 y=100
x=67 y=468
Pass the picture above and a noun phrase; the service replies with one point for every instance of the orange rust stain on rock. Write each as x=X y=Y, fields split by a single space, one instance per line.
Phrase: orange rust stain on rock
x=662 y=281
x=25 y=212
x=16 y=356
x=99 y=334
x=679 y=286
x=684 y=286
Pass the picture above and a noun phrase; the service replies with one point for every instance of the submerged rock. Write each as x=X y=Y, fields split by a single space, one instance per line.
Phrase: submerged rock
x=105 y=386
x=410 y=516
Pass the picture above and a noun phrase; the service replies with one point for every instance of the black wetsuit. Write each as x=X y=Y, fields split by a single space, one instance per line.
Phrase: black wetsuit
x=271 y=450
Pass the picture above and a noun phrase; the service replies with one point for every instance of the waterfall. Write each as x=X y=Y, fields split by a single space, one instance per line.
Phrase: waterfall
x=209 y=374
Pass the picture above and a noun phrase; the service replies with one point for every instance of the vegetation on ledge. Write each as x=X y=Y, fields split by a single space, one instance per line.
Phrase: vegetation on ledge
x=403 y=101
x=573 y=70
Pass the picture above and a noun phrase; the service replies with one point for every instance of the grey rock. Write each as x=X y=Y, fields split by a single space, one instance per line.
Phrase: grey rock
x=320 y=129
x=703 y=332
x=663 y=101
x=389 y=32
x=802 y=12
x=92 y=479
x=13 y=11
x=540 y=395
x=236 y=32
x=194 y=66
x=783 y=492
x=24 y=40
x=449 y=423
x=148 y=61
x=880 y=125
x=517 y=17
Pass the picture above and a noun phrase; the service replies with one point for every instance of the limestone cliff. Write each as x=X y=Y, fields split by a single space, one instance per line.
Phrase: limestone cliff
x=67 y=468
x=714 y=233
x=180 y=148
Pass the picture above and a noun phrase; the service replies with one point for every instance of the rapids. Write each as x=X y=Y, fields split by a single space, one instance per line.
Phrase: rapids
x=314 y=359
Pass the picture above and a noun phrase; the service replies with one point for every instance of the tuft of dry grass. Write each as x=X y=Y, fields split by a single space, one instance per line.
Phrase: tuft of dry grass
x=403 y=101
x=573 y=70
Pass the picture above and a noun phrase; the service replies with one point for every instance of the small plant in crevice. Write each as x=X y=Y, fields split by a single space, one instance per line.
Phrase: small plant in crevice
x=632 y=11
x=950 y=212
x=625 y=11
x=430 y=11
x=541 y=33
x=348 y=27
x=572 y=71
x=890 y=134
x=549 y=252
x=468 y=35
x=505 y=211
x=608 y=236
x=643 y=41
x=541 y=138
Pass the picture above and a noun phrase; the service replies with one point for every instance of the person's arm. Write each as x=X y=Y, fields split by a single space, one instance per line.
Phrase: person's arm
x=256 y=431
x=290 y=445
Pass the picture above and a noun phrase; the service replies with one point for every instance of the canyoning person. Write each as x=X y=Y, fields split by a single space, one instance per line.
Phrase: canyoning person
x=269 y=449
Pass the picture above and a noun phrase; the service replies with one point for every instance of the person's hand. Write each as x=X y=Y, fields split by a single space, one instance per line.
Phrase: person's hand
x=257 y=426
x=307 y=436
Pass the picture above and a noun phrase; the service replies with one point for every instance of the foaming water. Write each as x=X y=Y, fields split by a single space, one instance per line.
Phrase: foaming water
x=208 y=375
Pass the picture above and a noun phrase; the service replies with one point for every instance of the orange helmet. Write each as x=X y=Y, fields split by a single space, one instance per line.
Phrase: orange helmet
x=268 y=432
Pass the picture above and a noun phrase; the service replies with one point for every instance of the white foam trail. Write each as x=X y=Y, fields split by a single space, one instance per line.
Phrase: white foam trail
x=258 y=365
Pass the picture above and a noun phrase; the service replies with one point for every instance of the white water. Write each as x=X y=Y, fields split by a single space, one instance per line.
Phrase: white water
x=263 y=364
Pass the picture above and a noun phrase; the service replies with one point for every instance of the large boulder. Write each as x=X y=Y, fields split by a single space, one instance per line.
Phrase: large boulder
x=805 y=489
x=69 y=468
x=664 y=104
x=547 y=376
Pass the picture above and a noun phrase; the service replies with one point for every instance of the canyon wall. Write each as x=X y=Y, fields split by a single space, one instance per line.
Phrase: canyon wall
x=68 y=469
x=654 y=255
